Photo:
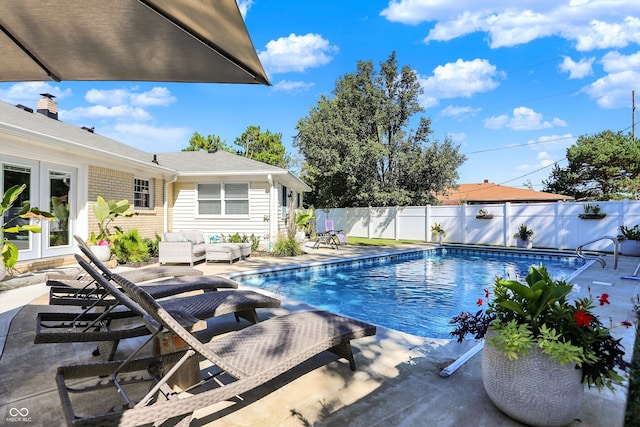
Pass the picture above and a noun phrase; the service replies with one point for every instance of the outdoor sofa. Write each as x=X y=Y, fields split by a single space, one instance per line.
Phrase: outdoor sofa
x=191 y=246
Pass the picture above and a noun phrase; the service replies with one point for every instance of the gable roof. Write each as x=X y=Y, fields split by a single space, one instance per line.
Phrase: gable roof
x=488 y=192
x=65 y=137
x=223 y=163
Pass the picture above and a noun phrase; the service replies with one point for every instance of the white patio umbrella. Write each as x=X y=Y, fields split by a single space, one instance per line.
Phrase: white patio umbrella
x=128 y=40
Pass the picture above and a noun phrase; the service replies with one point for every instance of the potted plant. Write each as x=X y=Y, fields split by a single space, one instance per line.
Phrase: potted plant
x=629 y=238
x=19 y=222
x=484 y=214
x=304 y=220
x=591 y=212
x=541 y=349
x=437 y=233
x=106 y=212
x=524 y=237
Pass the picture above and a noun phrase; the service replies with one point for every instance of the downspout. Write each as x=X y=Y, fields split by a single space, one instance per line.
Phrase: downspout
x=166 y=203
x=270 y=180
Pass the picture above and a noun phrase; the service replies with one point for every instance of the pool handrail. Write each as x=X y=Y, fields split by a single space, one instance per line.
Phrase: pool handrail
x=598 y=257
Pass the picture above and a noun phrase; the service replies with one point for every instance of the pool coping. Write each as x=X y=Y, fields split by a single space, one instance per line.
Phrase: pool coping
x=394 y=254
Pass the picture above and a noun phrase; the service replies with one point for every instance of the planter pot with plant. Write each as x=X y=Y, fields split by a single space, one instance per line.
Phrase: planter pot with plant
x=484 y=214
x=629 y=238
x=437 y=233
x=541 y=349
x=591 y=212
x=106 y=212
x=16 y=224
x=524 y=237
x=304 y=222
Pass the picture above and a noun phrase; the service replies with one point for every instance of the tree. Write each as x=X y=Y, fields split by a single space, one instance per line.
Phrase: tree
x=358 y=151
x=599 y=167
x=263 y=147
x=211 y=142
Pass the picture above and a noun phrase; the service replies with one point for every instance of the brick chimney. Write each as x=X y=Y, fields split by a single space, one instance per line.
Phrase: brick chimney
x=47 y=106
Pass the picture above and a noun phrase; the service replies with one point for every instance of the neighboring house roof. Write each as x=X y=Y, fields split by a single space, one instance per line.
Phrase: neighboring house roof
x=55 y=134
x=488 y=192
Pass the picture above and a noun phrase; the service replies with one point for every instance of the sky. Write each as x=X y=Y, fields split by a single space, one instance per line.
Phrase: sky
x=513 y=83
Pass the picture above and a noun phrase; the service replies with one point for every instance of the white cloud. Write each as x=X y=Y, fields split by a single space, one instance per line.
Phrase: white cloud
x=28 y=93
x=291 y=86
x=460 y=79
x=553 y=143
x=523 y=119
x=158 y=96
x=577 y=70
x=459 y=112
x=105 y=112
x=614 y=61
x=244 y=6
x=593 y=24
x=614 y=90
x=296 y=53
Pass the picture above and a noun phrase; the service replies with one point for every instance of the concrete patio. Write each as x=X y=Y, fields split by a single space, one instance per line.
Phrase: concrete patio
x=396 y=384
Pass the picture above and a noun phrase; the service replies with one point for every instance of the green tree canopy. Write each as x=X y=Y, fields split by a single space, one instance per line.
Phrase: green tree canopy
x=604 y=166
x=358 y=150
x=211 y=142
x=263 y=147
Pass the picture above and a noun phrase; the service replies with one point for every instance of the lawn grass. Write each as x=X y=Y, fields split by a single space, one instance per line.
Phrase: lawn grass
x=632 y=414
x=363 y=241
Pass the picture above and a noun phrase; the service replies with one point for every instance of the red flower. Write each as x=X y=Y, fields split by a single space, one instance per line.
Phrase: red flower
x=626 y=324
x=582 y=318
x=480 y=302
x=604 y=299
x=486 y=293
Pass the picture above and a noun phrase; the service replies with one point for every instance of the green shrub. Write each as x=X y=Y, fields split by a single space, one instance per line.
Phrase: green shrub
x=130 y=247
x=237 y=238
x=153 y=244
x=287 y=246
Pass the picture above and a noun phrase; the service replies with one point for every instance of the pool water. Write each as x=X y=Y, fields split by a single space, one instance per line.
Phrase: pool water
x=416 y=293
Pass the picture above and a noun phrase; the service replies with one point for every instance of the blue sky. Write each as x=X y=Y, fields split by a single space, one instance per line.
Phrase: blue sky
x=513 y=82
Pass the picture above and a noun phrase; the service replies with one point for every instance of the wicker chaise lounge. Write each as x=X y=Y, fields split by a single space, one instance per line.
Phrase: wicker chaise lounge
x=241 y=361
x=83 y=291
x=115 y=322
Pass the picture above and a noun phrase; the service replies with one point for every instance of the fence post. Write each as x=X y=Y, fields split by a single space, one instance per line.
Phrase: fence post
x=427 y=222
x=463 y=210
x=396 y=229
x=558 y=223
x=506 y=224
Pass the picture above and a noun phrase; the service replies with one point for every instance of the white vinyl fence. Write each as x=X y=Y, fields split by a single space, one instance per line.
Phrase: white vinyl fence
x=556 y=225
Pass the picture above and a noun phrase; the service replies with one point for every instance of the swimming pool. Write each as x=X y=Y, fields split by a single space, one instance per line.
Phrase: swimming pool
x=414 y=292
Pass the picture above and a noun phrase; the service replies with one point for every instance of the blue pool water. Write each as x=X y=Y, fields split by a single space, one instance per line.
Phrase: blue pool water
x=416 y=293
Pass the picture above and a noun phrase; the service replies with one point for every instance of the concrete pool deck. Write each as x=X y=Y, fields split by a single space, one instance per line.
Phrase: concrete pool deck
x=396 y=383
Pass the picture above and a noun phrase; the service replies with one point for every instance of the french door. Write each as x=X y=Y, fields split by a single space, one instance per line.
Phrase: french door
x=51 y=188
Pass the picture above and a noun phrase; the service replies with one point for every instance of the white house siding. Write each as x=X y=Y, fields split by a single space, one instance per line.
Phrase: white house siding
x=185 y=216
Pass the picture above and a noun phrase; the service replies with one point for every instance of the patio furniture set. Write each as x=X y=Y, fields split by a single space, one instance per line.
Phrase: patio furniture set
x=191 y=246
x=170 y=384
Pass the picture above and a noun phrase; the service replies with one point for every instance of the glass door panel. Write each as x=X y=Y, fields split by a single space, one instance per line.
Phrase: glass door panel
x=60 y=194
x=17 y=175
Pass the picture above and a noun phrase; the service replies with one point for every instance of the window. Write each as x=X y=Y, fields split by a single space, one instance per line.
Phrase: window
x=142 y=194
x=223 y=199
x=236 y=199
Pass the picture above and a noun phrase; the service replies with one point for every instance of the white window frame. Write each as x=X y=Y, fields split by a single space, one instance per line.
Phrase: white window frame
x=222 y=199
x=150 y=185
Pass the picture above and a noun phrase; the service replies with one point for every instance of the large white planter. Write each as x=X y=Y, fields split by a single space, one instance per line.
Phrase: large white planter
x=535 y=389
x=630 y=247
x=524 y=243
x=102 y=252
x=437 y=238
x=3 y=270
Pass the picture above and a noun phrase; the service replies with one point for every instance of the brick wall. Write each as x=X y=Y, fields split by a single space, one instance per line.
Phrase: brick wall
x=112 y=184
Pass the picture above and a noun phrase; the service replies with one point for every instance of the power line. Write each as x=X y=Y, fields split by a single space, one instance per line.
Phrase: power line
x=521 y=145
